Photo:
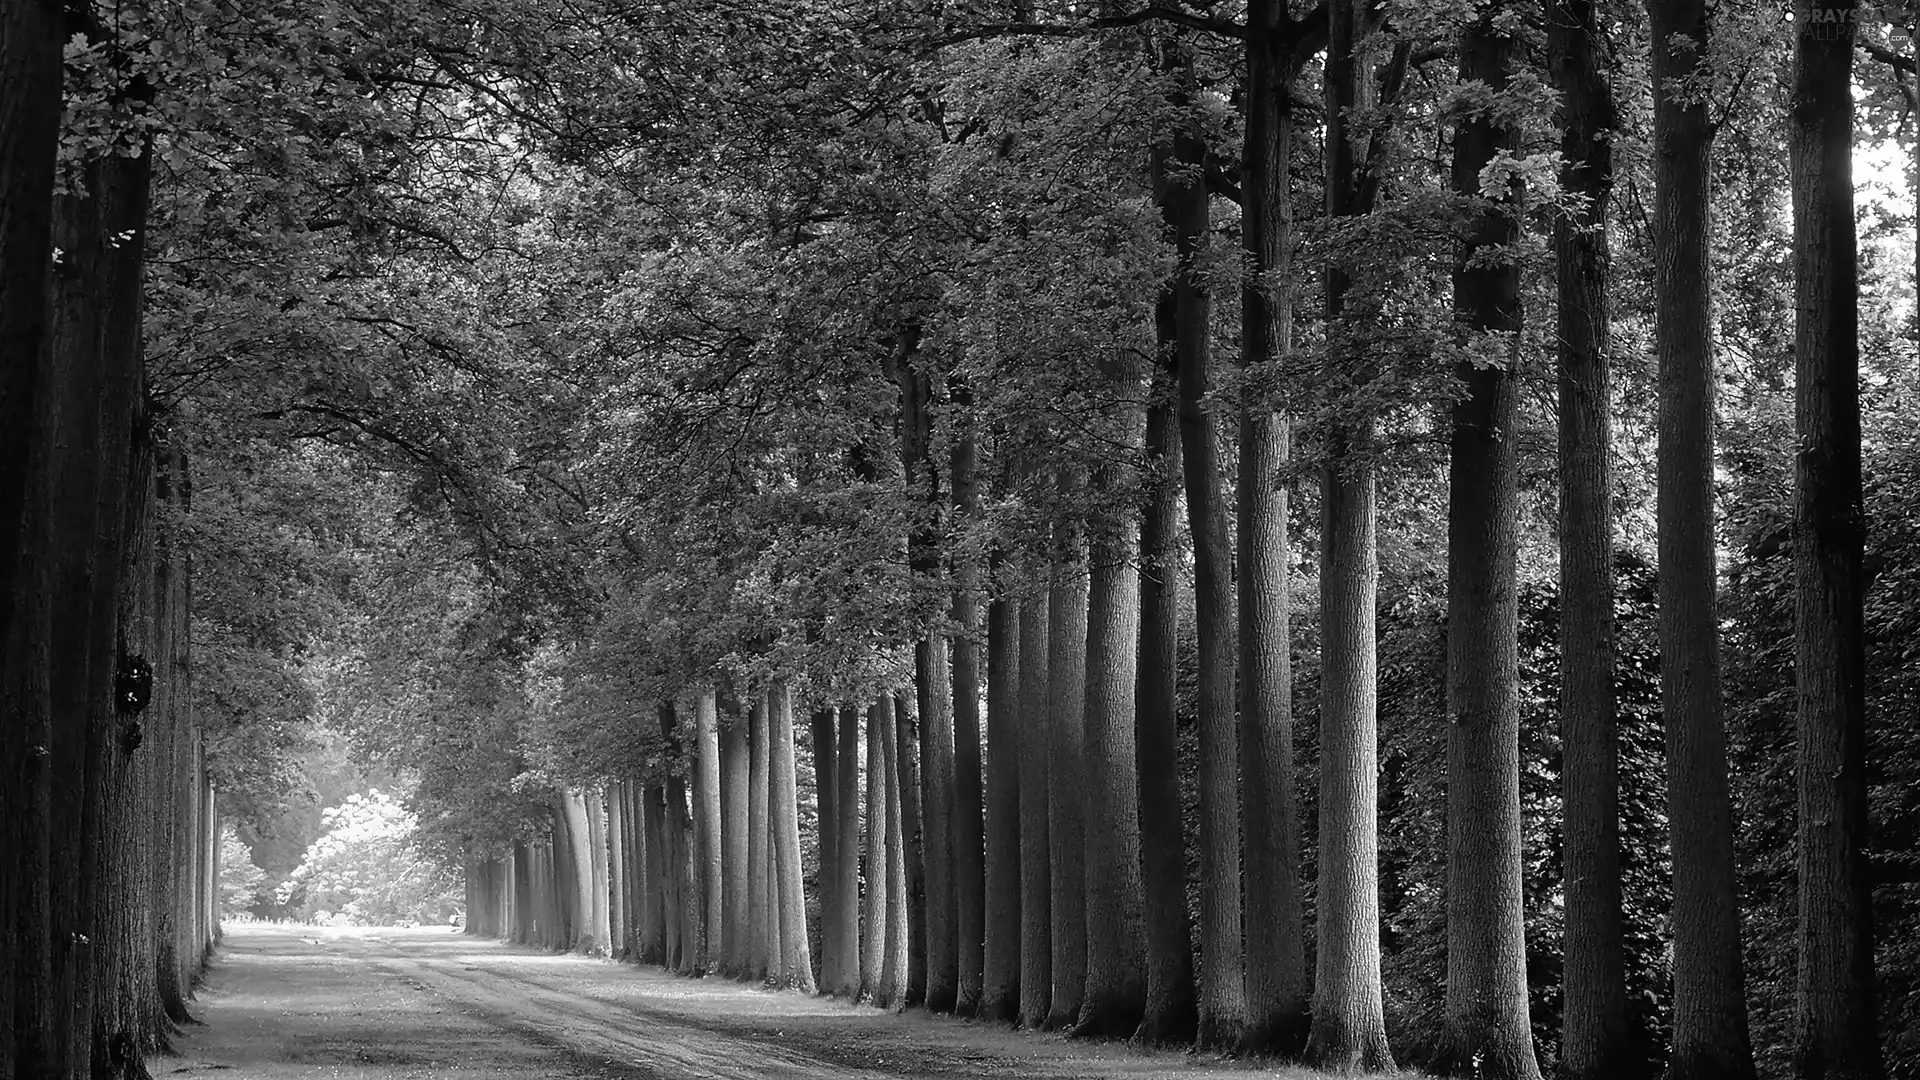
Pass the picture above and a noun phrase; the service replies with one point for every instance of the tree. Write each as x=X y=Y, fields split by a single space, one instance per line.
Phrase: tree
x=1836 y=1015
x=1709 y=985
x=1596 y=1040
x=1000 y=980
x=1487 y=1026
x=796 y=963
x=1036 y=895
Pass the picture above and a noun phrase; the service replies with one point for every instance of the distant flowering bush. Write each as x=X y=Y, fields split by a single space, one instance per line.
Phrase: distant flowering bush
x=240 y=879
x=365 y=870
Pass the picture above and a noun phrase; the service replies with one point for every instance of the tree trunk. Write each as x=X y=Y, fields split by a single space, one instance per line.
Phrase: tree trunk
x=875 y=960
x=1114 y=997
x=1349 y=1032
x=969 y=870
x=796 y=960
x=617 y=868
x=1595 y=1040
x=653 y=811
x=1172 y=1011
x=1836 y=1030
x=1223 y=995
x=1036 y=898
x=735 y=829
x=573 y=814
x=827 y=818
x=706 y=827
x=1000 y=979
x=600 y=910
x=1275 y=931
x=935 y=783
x=1710 y=1040
x=32 y=35
x=1487 y=1029
x=846 y=864
x=759 y=863
x=1066 y=790
x=906 y=763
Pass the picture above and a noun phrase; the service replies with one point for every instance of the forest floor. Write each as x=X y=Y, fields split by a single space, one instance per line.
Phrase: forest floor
x=287 y=1002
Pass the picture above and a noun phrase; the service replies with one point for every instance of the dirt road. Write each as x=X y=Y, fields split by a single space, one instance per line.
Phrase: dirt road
x=297 y=1002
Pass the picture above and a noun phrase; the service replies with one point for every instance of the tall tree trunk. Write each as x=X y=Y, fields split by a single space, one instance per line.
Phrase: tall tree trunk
x=1000 y=980
x=735 y=828
x=1066 y=780
x=1487 y=1029
x=1223 y=994
x=1275 y=930
x=935 y=782
x=1595 y=1039
x=1036 y=896
x=1836 y=1029
x=759 y=865
x=969 y=870
x=599 y=914
x=1710 y=1038
x=706 y=829
x=1114 y=998
x=1172 y=1010
x=796 y=960
x=827 y=816
x=572 y=814
x=1349 y=1032
x=906 y=763
x=653 y=809
x=846 y=865
x=689 y=929
x=616 y=797
x=875 y=961
x=32 y=35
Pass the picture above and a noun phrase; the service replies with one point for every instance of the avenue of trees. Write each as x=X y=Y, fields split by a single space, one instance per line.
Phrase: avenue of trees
x=1370 y=534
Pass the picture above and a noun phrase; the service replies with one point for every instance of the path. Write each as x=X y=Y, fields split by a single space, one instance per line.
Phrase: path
x=302 y=1002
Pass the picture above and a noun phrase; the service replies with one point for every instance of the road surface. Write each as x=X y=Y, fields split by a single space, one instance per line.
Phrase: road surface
x=285 y=1002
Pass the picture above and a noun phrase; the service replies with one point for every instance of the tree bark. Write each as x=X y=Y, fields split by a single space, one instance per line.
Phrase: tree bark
x=1595 y=1040
x=1066 y=768
x=1836 y=1029
x=1172 y=1009
x=759 y=864
x=911 y=837
x=796 y=960
x=735 y=828
x=875 y=960
x=617 y=868
x=934 y=685
x=969 y=870
x=846 y=867
x=1487 y=1030
x=1710 y=1037
x=1349 y=1032
x=599 y=910
x=1036 y=919
x=1276 y=964
x=1000 y=980
x=706 y=828
x=572 y=811
x=827 y=817
x=1114 y=997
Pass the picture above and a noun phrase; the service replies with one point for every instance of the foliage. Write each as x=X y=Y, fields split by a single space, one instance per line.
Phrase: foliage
x=365 y=870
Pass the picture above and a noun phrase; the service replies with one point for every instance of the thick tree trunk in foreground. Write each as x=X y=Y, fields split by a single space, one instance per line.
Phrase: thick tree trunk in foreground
x=1710 y=1039
x=1115 y=994
x=1836 y=1030
x=1000 y=979
x=617 y=869
x=875 y=960
x=759 y=864
x=1036 y=896
x=1275 y=931
x=896 y=943
x=654 y=947
x=734 y=829
x=796 y=960
x=1595 y=1038
x=573 y=814
x=846 y=863
x=599 y=912
x=1172 y=1009
x=1487 y=1030
x=1349 y=1032
x=1066 y=782
x=31 y=37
